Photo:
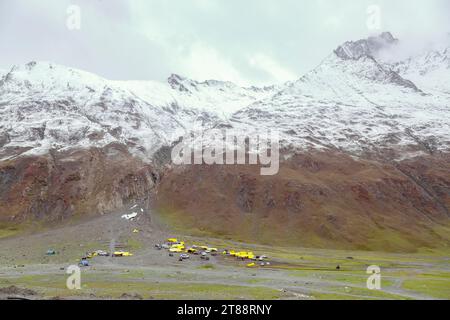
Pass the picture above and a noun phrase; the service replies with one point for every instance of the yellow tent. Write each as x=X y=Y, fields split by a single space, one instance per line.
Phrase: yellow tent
x=245 y=255
x=91 y=255
x=176 y=250
x=242 y=254
x=122 y=254
x=172 y=240
x=251 y=265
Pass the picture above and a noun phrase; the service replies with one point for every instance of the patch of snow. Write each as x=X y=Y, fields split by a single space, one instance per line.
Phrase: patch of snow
x=130 y=216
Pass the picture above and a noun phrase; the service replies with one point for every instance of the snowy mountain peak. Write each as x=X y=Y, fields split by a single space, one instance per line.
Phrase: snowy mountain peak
x=365 y=47
x=183 y=84
x=38 y=75
x=180 y=83
x=187 y=85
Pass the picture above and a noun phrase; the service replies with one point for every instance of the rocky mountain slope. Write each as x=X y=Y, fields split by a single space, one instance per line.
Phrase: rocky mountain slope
x=365 y=149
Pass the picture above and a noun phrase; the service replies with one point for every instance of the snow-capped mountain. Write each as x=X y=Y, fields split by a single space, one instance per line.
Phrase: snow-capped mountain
x=353 y=101
x=46 y=106
x=212 y=96
x=429 y=70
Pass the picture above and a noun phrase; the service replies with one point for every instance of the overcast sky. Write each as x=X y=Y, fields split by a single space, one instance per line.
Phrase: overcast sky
x=245 y=41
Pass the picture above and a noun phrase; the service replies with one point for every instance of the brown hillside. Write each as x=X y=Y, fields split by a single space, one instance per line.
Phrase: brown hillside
x=61 y=185
x=318 y=199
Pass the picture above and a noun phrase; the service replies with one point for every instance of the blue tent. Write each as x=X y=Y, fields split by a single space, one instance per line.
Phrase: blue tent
x=84 y=263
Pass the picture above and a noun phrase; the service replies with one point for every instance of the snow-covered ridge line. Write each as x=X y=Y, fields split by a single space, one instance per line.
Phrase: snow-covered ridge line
x=46 y=106
x=353 y=101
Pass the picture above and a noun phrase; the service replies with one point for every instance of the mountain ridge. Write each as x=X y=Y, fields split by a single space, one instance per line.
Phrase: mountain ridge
x=74 y=143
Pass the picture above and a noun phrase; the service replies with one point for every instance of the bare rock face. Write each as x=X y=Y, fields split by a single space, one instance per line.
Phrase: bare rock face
x=62 y=185
x=318 y=199
x=366 y=47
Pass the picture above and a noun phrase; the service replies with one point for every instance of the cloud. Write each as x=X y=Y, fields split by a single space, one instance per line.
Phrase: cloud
x=271 y=67
x=251 y=42
x=202 y=62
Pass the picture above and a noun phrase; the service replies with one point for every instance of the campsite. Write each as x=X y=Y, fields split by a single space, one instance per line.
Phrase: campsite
x=142 y=266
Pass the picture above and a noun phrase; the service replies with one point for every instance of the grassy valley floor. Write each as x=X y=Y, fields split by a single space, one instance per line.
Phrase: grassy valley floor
x=294 y=273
